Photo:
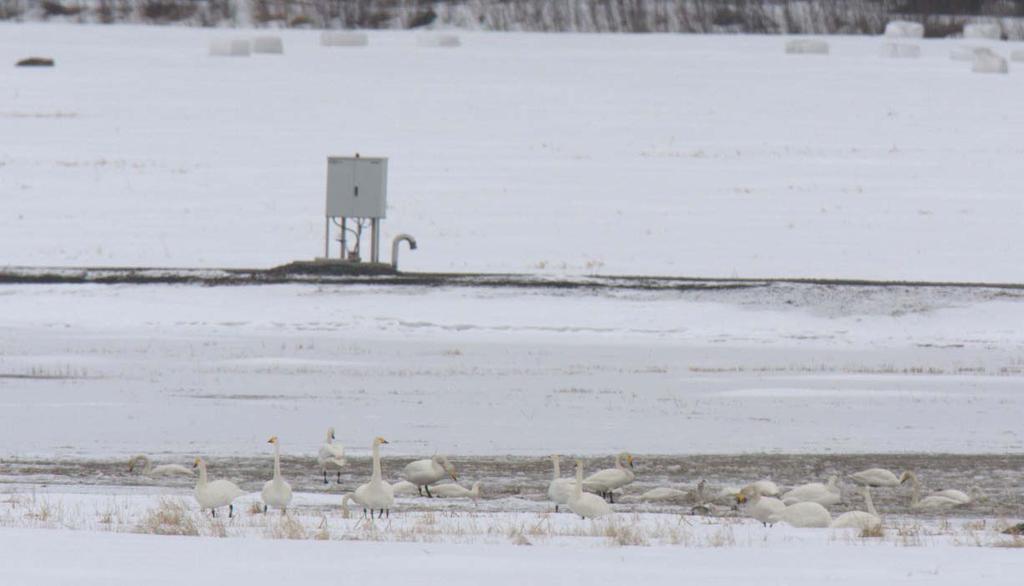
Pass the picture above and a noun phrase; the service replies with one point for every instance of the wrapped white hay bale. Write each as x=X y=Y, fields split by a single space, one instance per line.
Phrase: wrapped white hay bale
x=900 y=50
x=904 y=29
x=966 y=52
x=1017 y=55
x=989 y=62
x=807 y=47
x=344 y=39
x=268 y=44
x=982 y=30
x=439 y=40
x=229 y=48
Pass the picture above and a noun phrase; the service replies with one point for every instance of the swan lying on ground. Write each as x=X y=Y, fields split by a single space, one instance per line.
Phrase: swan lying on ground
x=604 y=482
x=331 y=457
x=860 y=519
x=375 y=494
x=455 y=491
x=875 y=477
x=928 y=503
x=423 y=473
x=403 y=487
x=758 y=506
x=803 y=515
x=815 y=492
x=584 y=504
x=957 y=495
x=219 y=493
x=162 y=470
x=560 y=489
x=276 y=492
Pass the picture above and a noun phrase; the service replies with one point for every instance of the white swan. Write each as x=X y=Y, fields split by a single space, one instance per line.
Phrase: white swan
x=219 y=493
x=455 y=491
x=928 y=503
x=560 y=489
x=758 y=506
x=957 y=495
x=586 y=505
x=875 y=477
x=604 y=482
x=803 y=515
x=331 y=456
x=403 y=487
x=162 y=470
x=423 y=473
x=860 y=519
x=276 y=492
x=665 y=494
x=815 y=492
x=375 y=494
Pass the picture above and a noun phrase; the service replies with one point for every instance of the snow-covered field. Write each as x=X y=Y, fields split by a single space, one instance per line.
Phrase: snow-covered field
x=699 y=155
x=664 y=154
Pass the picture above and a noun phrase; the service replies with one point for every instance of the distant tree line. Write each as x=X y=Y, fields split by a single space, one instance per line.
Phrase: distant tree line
x=940 y=17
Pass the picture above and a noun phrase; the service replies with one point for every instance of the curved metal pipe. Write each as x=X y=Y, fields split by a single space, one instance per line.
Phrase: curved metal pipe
x=394 y=247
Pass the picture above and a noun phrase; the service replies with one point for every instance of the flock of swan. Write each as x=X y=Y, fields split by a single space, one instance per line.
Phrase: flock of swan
x=587 y=496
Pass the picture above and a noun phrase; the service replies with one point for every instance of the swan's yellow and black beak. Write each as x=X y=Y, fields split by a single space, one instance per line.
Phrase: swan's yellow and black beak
x=195 y=464
x=740 y=498
x=629 y=458
x=454 y=476
x=272 y=440
x=382 y=440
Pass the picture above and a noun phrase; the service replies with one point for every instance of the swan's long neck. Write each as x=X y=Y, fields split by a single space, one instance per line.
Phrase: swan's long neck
x=376 y=478
x=202 y=474
x=870 y=503
x=277 y=461
x=577 y=490
x=618 y=461
x=915 y=495
x=558 y=470
x=329 y=439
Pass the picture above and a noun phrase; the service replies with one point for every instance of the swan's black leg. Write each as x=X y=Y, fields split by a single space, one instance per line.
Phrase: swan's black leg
x=264 y=509
x=325 y=476
x=381 y=514
x=339 y=476
x=427 y=488
x=214 y=511
x=419 y=489
x=389 y=513
x=231 y=511
x=611 y=497
x=556 y=507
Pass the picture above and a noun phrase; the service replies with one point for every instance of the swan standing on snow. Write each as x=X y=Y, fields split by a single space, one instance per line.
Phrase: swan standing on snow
x=815 y=492
x=331 y=457
x=860 y=519
x=375 y=494
x=455 y=491
x=606 y=481
x=803 y=515
x=423 y=473
x=875 y=477
x=586 y=505
x=560 y=489
x=219 y=493
x=758 y=506
x=928 y=503
x=162 y=470
x=277 y=492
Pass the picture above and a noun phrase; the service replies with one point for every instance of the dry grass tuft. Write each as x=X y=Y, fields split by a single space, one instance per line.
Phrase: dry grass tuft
x=874 y=531
x=288 y=528
x=169 y=517
x=1014 y=541
x=255 y=508
x=621 y=534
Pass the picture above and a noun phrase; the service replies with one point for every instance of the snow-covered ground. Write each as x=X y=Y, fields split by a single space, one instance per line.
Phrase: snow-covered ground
x=666 y=154
x=99 y=371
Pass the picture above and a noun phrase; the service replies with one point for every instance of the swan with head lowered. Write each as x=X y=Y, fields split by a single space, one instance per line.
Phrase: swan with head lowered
x=932 y=502
x=375 y=495
x=276 y=492
x=815 y=492
x=584 y=504
x=560 y=489
x=148 y=469
x=758 y=506
x=423 y=473
x=216 y=494
x=455 y=491
x=860 y=519
x=331 y=456
x=605 y=482
x=875 y=477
